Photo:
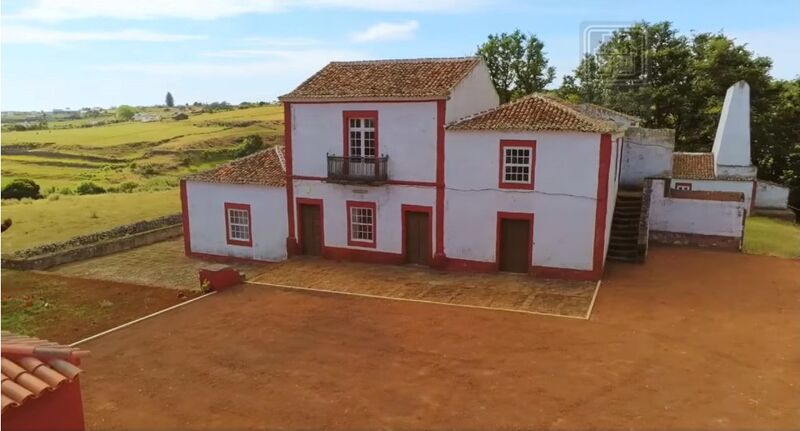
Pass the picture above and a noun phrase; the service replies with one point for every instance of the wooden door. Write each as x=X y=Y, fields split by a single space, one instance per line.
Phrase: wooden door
x=418 y=247
x=310 y=230
x=515 y=245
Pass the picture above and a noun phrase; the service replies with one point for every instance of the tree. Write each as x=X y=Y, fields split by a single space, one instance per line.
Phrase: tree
x=21 y=188
x=250 y=144
x=169 y=100
x=125 y=112
x=517 y=64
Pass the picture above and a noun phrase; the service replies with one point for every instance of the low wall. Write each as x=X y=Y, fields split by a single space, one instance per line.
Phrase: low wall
x=646 y=153
x=700 y=218
x=771 y=195
x=96 y=244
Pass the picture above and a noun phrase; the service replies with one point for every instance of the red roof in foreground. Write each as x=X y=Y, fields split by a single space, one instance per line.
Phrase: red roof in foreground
x=266 y=167
x=32 y=367
x=693 y=166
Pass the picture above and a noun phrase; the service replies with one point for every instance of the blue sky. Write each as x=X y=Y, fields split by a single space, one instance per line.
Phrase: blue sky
x=74 y=53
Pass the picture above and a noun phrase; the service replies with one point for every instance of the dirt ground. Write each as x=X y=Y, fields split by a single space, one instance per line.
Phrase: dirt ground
x=507 y=291
x=693 y=339
x=162 y=264
x=66 y=309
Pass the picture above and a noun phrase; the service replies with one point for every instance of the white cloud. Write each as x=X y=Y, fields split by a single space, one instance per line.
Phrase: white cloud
x=277 y=63
x=25 y=34
x=387 y=31
x=62 y=10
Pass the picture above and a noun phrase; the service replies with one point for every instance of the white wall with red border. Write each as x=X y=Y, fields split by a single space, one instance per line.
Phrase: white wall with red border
x=475 y=93
x=695 y=216
x=563 y=202
x=388 y=200
x=205 y=207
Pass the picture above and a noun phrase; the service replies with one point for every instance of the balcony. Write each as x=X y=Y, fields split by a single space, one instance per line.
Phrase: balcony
x=360 y=170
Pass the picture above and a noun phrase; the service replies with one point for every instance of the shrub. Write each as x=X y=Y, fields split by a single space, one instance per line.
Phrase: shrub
x=128 y=187
x=66 y=191
x=125 y=112
x=89 y=188
x=53 y=197
x=21 y=188
x=250 y=144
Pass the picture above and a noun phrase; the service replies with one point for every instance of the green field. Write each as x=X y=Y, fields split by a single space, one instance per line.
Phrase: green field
x=153 y=155
x=772 y=237
x=37 y=222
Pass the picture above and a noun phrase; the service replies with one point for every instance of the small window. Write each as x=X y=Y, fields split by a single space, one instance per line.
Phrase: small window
x=361 y=224
x=685 y=187
x=516 y=164
x=237 y=221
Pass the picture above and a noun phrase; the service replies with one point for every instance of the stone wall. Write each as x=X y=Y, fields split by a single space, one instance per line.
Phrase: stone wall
x=96 y=244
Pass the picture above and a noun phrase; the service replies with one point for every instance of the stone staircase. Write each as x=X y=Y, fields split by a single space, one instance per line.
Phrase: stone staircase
x=624 y=243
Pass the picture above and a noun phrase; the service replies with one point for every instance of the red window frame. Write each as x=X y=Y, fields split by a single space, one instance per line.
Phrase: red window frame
x=346 y=116
x=505 y=143
x=360 y=243
x=242 y=207
x=686 y=187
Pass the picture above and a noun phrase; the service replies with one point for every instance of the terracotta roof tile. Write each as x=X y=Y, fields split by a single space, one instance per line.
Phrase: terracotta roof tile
x=536 y=112
x=695 y=166
x=266 y=167
x=385 y=79
x=608 y=114
x=31 y=367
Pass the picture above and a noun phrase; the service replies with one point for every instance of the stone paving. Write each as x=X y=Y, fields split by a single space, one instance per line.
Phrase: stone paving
x=162 y=264
x=516 y=292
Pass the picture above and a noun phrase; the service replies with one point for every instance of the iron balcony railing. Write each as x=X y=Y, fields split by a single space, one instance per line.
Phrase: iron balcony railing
x=357 y=169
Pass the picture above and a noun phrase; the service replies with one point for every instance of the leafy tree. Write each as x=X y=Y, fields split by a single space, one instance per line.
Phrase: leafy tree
x=250 y=144
x=125 y=112
x=169 y=100
x=21 y=188
x=517 y=64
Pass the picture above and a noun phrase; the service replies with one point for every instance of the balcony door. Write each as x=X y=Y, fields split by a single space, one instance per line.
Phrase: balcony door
x=361 y=143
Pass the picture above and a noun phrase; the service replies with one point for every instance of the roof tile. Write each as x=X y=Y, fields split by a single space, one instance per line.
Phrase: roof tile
x=694 y=166
x=536 y=112
x=385 y=79
x=266 y=167
x=31 y=366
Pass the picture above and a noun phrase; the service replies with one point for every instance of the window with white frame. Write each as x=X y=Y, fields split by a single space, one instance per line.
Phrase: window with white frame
x=517 y=163
x=362 y=137
x=362 y=224
x=238 y=224
x=686 y=187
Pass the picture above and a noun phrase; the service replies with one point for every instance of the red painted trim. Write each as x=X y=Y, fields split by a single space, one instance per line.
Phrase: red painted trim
x=358 y=243
x=687 y=185
x=502 y=151
x=309 y=178
x=187 y=235
x=503 y=215
x=389 y=182
x=601 y=211
x=346 y=116
x=440 y=259
x=291 y=240
x=563 y=273
x=466 y=265
x=316 y=202
x=227 y=258
x=361 y=255
x=244 y=207
x=405 y=209
x=706 y=195
x=344 y=101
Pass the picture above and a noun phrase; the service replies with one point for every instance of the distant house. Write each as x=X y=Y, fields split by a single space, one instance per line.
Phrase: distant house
x=41 y=386
x=144 y=117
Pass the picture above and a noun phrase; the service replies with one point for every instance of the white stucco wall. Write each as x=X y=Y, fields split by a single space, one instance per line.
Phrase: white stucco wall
x=406 y=133
x=745 y=187
x=206 y=204
x=474 y=94
x=388 y=200
x=694 y=216
x=732 y=140
x=613 y=186
x=564 y=201
x=770 y=195
x=646 y=153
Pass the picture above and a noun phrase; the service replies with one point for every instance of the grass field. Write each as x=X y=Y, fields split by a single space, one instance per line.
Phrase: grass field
x=153 y=154
x=43 y=221
x=772 y=237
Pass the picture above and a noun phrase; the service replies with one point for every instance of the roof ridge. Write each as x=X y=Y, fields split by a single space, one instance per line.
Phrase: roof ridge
x=629 y=116
x=408 y=60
